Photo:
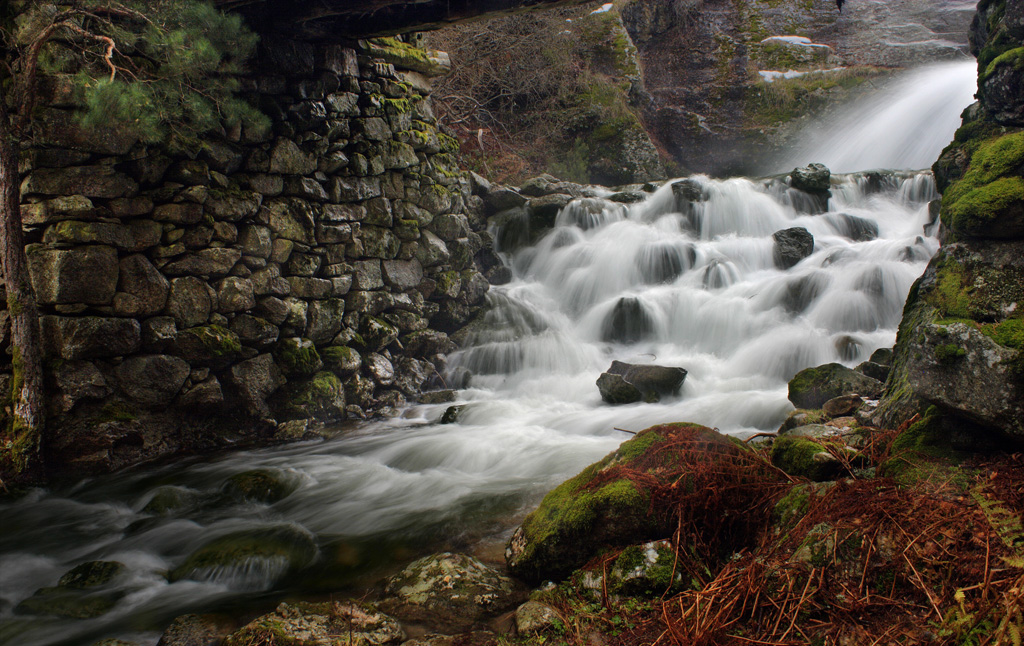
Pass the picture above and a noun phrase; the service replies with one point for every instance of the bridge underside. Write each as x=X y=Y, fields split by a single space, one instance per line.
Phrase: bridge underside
x=334 y=19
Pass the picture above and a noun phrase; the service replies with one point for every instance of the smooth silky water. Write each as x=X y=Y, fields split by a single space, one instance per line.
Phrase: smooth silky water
x=655 y=282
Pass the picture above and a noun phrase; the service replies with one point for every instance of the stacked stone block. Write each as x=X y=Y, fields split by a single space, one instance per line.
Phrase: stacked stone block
x=311 y=270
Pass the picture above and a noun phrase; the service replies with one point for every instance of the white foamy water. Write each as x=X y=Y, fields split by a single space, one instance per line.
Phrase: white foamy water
x=905 y=125
x=700 y=290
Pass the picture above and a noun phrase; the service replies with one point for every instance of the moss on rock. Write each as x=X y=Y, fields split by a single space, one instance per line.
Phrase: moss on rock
x=321 y=397
x=339 y=623
x=804 y=458
x=297 y=356
x=260 y=485
x=812 y=387
x=988 y=200
x=604 y=505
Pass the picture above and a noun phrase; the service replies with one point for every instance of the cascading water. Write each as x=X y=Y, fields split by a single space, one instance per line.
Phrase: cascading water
x=681 y=284
x=691 y=285
x=905 y=125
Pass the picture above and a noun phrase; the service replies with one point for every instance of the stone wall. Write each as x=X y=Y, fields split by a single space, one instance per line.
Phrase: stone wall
x=309 y=271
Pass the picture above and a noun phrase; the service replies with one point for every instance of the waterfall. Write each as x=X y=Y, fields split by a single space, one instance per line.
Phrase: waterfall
x=905 y=125
x=676 y=283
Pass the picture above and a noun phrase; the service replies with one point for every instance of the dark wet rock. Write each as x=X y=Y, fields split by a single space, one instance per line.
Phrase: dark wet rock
x=626 y=383
x=688 y=190
x=882 y=356
x=320 y=397
x=451 y=414
x=153 y=380
x=812 y=387
x=334 y=623
x=616 y=390
x=792 y=246
x=437 y=397
x=449 y=591
x=873 y=370
x=813 y=178
x=842 y=406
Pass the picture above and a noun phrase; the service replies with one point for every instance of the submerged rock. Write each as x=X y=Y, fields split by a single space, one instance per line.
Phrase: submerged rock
x=448 y=591
x=628 y=322
x=339 y=623
x=256 y=557
x=260 y=485
x=81 y=593
x=626 y=383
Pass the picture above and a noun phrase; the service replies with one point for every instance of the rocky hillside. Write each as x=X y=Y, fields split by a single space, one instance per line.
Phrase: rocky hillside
x=715 y=86
x=709 y=103
x=961 y=342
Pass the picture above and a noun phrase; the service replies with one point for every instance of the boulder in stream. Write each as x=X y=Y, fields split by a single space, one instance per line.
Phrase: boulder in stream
x=81 y=593
x=627 y=383
x=812 y=178
x=609 y=502
x=792 y=246
x=812 y=387
x=254 y=558
x=448 y=591
x=338 y=623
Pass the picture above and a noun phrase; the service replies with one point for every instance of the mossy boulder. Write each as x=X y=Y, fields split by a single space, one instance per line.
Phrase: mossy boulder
x=81 y=593
x=170 y=499
x=960 y=345
x=338 y=623
x=805 y=458
x=925 y=452
x=812 y=387
x=253 y=557
x=320 y=397
x=646 y=570
x=609 y=502
x=448 y=591
x=988 y=201
x=793 y=506
x=259 y=485
x=296 y=356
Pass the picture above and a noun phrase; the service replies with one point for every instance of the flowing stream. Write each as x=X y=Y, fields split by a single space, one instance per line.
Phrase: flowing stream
x=656 y=282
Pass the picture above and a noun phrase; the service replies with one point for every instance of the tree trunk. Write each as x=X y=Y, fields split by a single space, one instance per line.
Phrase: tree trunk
x=20 y=439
